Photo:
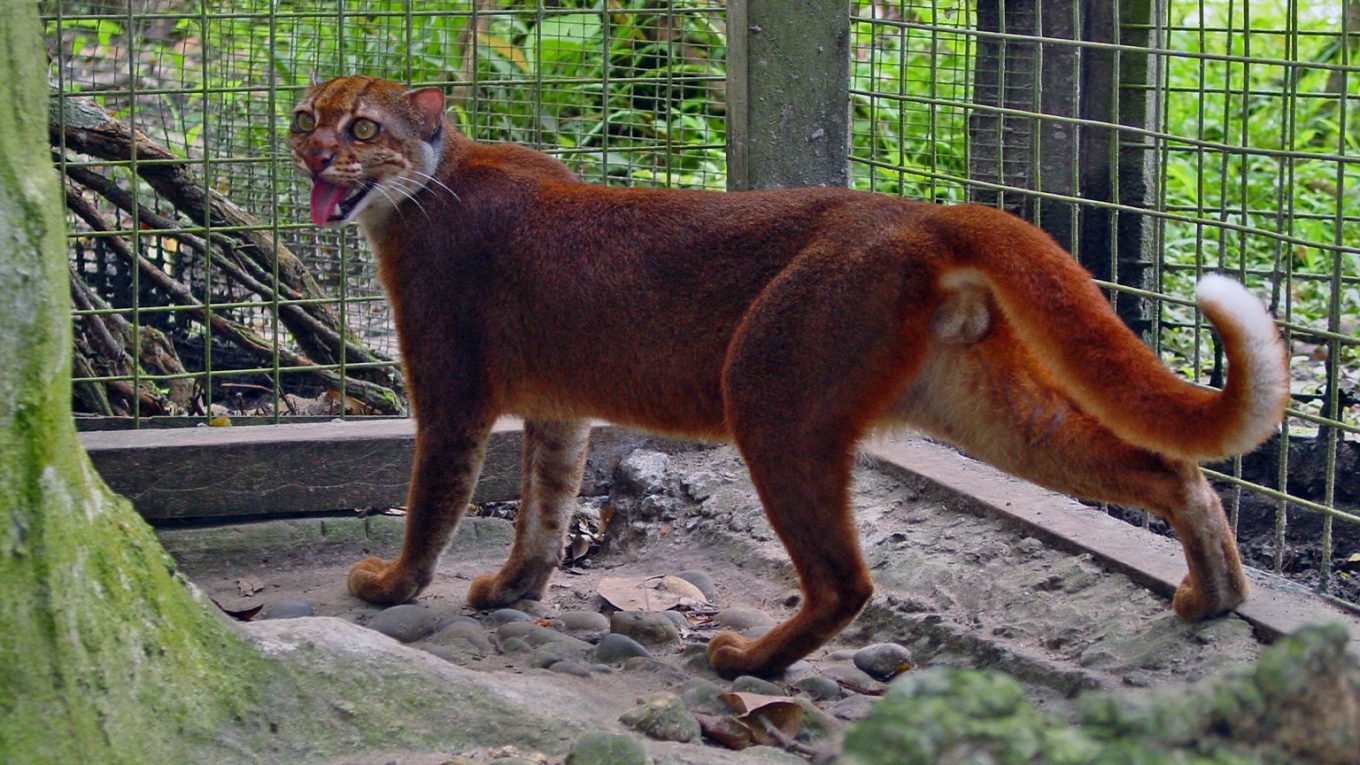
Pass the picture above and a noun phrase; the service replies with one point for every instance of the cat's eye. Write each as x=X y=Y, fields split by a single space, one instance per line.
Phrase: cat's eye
x=364 y=129
x=304 y=122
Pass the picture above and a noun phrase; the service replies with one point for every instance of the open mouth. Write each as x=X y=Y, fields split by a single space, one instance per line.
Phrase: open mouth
x=333 y=203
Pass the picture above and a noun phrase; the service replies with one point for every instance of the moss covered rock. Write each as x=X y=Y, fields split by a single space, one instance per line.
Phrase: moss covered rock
x=1299 y=703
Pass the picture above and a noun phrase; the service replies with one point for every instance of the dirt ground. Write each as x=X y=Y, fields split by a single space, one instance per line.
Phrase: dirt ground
x=952 y=588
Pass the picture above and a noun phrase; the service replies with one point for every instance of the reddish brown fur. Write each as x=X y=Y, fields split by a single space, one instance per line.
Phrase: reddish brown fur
x=791 y=322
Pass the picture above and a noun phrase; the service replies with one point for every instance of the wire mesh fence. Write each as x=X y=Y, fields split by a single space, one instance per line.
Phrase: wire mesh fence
x=1160 y=141
x=1155 y=140
x=631 y=94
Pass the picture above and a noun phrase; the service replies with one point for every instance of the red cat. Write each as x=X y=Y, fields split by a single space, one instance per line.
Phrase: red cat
x=790 y=322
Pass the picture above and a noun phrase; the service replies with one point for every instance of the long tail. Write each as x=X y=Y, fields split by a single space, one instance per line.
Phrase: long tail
x=1063 y=318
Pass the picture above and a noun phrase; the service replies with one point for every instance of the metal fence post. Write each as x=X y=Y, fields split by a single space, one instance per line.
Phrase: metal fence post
x=788 y=81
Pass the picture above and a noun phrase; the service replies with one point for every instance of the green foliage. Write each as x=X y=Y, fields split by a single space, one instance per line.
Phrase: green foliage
x=1297 y=704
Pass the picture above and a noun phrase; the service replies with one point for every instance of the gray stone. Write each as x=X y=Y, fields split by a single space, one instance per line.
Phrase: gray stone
x=515 y=630
x=516 y=645
x=614 y=649
x=643 y=472
x=703 y=581
x=752 y=684
x=853 y=707
x=883 y=660
x=677 y=618
x=548 y=654
x=543 y=636
x=819 y=688
x=408 y=622
x=852 y=678
x=504 y=615
x=701 y=696
x=664 y=718
x=462 y=633
x=646 y=627
x=738 y=619
x=584 y=621
x=287 y=609
x=568 y=667
x=607 y=749
x=701 y=484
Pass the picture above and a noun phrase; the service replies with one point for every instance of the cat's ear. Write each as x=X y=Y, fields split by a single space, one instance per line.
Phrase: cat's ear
x=316 y=79
x=428 y=104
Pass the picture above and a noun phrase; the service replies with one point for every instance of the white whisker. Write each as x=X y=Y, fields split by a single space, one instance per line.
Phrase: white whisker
x=437 y=182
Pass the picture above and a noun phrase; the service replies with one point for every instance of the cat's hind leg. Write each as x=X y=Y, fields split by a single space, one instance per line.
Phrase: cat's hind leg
x=824 y=347
x=553 y=460
x=993 y=400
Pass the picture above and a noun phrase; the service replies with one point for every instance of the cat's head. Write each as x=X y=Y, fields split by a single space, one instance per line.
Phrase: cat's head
x=366 y=144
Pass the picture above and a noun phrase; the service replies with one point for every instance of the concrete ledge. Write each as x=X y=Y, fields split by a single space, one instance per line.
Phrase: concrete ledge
x=313 y=467
x=1276 y=607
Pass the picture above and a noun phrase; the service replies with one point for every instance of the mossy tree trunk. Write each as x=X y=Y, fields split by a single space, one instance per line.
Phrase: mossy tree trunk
x=105 y=656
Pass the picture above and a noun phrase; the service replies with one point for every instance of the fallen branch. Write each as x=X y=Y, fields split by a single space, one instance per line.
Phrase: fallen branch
x=80 y=125
x=379 y=398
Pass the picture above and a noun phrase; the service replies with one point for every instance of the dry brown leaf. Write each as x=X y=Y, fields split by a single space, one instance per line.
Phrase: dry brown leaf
x=772 y=720
x=649 y=593
x=727 y=731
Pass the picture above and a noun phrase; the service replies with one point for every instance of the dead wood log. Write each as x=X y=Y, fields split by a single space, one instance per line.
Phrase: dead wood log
x=80 y=125
x=378 y=398
x=105 y=345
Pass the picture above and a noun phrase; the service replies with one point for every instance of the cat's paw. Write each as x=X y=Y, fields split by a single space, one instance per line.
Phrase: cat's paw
x=729 y=655
x=381 y=582
x=1193 y=605
x=488 y=592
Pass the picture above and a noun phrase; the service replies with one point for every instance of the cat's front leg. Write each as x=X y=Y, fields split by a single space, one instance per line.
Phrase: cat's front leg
x=444 y=473
x=554 y=457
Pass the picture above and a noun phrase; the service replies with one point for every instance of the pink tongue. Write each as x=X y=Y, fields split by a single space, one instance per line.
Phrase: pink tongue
x=325 y=197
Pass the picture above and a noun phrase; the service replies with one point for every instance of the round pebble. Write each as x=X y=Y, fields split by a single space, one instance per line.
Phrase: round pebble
x=701 y=695
x=505 y=615
x=819 y=688
x=883 y=660
x=852 y=707
x=851 y=677
x=738 y=619
x=614 y=649
x=703 y=581
x=549 y=654
x=516 y=645
x=408 y=622
x=515 y=630
x=542 y=636
x=664 y=718
x=677 y=618
x=584 y=621
x=647 y=627
x=287 y=609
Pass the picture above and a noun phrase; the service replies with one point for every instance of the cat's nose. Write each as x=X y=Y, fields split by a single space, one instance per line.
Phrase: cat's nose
x=319 y=159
